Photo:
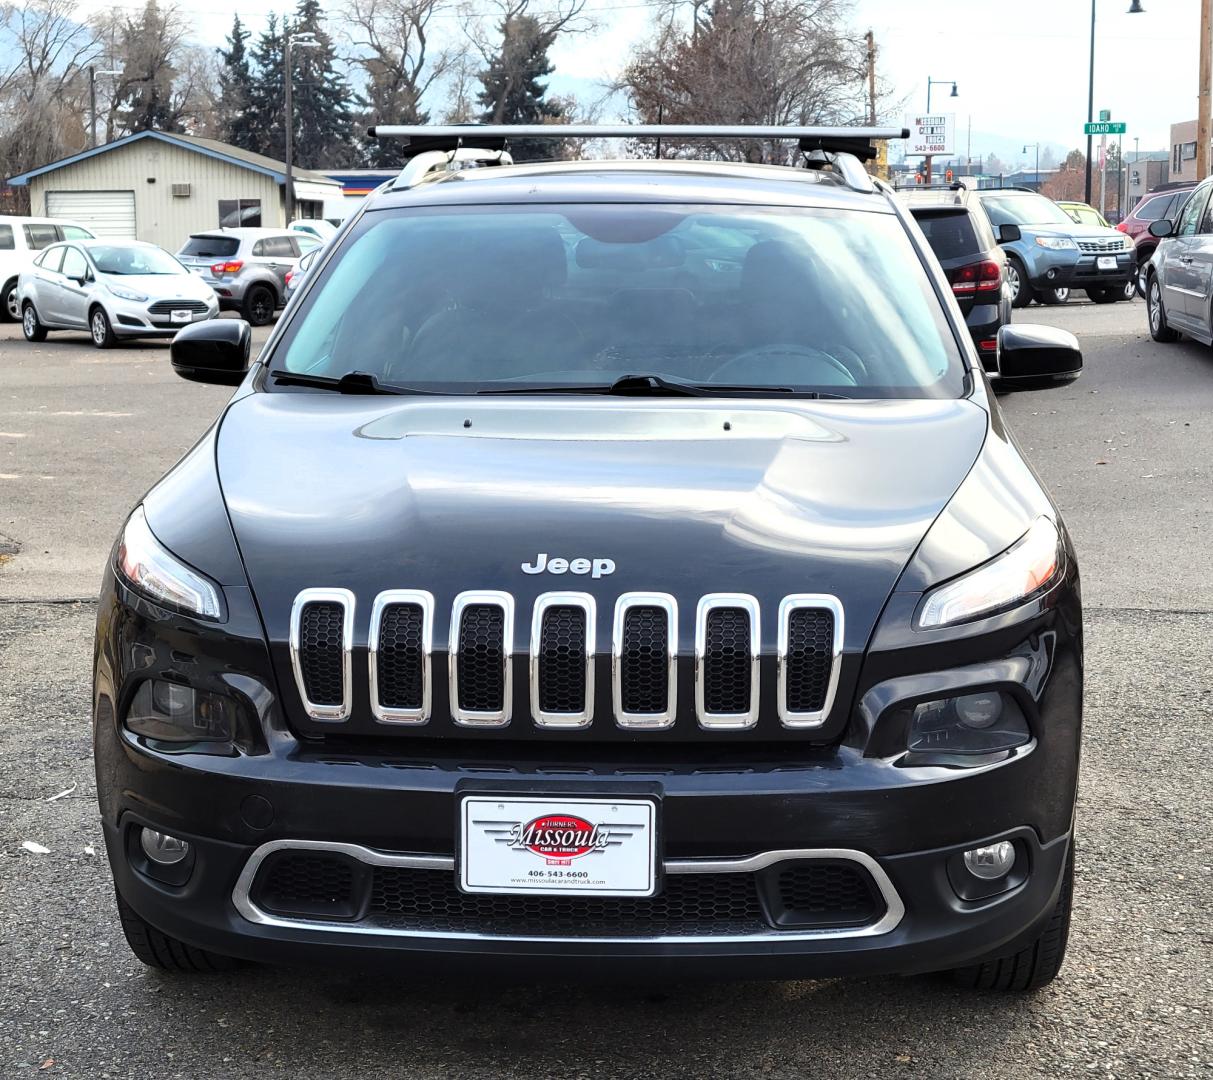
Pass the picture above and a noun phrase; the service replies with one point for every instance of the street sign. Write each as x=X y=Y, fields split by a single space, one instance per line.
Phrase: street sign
x=1104 y=127
x=934 y=134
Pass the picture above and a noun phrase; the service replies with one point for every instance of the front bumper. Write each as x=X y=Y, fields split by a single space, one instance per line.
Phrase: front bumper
x=1085 y=272
x=131 y=319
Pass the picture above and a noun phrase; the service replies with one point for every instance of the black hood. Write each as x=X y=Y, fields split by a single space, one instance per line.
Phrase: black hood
x=683 y=496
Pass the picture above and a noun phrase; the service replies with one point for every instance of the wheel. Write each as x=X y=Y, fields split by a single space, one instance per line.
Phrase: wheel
x=31 y=325
x=1054 y=296
x=99 y=327
x=258 y=305
x=10 y=307
x=1037 y=964
x=161 y=951
x=1107 y=295
x=1021 y=291
x=1129 y=290
x=1159 y=330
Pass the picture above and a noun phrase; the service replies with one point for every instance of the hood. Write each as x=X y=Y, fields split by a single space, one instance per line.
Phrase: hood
x=681 y=496
x=1084 y=232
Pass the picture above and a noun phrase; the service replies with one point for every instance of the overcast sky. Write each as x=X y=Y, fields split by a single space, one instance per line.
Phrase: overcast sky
x=1020 y=65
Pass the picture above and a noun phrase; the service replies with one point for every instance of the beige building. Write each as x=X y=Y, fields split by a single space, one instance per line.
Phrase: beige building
x=1183 y=152
x=161 y=187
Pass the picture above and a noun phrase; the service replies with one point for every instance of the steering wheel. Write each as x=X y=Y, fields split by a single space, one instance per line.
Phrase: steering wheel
x=785 y=365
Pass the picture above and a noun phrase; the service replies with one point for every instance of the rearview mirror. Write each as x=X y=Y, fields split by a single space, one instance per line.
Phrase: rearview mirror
x=213 y=352
x=1161 y=228
x=1033 y=357
x=1008 y=234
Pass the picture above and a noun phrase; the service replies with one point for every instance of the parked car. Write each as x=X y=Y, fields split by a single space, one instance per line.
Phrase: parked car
x=113 y=289
x=21 y=238
x=1178 y=279
x=975 y=265
x=1084 y=214
x=1048 y=253
x=294 y=278
x=1166 y=204
x=247 y=268
x=321 y=229
x=536 y=605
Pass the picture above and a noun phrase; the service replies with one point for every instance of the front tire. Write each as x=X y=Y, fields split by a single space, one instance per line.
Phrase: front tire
x=1156 y=313
x=258 y=306
x=1106 y=295
x=166 y=953
x=100 y=329
x=1017 y=278
x=1054 y=296
x=31 y=325
x=1037 y=964
x=10 y=306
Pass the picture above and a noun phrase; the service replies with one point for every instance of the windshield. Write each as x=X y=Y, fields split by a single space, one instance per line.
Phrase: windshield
x=210 y=247
x=1087 y=215
x=134 y=260
x=472 y=298
x=1025 y=209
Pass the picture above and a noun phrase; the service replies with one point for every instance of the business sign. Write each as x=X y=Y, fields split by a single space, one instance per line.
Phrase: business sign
x=1104 y=127
x=933 y=134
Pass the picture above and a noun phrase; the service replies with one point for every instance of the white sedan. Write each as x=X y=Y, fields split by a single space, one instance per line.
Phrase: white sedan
x=113 y=289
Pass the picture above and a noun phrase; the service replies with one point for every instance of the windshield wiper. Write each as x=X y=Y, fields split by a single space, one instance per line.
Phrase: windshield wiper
x=653 y=386
x=352 y=382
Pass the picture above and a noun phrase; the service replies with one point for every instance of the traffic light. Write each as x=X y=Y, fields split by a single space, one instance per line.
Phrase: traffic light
x=948 y=176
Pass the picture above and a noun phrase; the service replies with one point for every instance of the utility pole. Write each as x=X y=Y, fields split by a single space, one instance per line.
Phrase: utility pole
x=307 y=41
x=1090 y=104
x=871 y=40
x=1103 y=173
x=1203 y=133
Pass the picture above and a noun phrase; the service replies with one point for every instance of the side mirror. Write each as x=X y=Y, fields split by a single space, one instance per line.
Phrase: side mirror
x=1032 y=356
x=216 y=351
x=1162 y=228
x=1008 y=234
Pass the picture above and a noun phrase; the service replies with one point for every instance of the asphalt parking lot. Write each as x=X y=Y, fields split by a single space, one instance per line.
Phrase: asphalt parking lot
x=1128 y=452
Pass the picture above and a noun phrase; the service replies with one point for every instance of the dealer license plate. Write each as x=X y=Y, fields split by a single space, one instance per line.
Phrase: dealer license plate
x=182 y=316
x=558 y=846
x=1106 y=262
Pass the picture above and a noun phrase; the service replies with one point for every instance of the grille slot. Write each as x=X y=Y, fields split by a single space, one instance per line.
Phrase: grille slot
x=726 y=655
x=643 y=659
x=321 y=631
x=823 y=893
x=401 y=637
x=310 y=883
x=167 y=307
x=562 y=659
x=481 y=654
x=810 y=646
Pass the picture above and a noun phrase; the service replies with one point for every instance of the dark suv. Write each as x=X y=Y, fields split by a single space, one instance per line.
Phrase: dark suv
x=960 y=235
x=607 y=566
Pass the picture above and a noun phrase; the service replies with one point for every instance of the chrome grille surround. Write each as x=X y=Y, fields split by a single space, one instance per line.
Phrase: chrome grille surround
x=585 y=716
x=472 y=717
x=389 y=714
x=344 y=598
x=656 y=721
x=731 y=721
x=1102 y=247
x=818 y=602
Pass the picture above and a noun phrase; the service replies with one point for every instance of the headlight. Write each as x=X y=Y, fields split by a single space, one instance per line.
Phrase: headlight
x=126 y=294
x=172 y=712
x=1024 y=569
x=149 y=567
x=1056 y=243
x=984 y=723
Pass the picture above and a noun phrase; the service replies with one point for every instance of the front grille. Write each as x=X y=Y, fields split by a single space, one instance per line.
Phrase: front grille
x=167 y=307
x=401 y=657
x=644 y=667
x=561 y=657
x=800 y=894
x=809 y=660
x=726 y=661
x=1101 y=247
x=321 y=656
x=481 y=661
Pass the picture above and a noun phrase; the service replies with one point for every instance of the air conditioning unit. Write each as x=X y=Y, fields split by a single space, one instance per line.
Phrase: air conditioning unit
x=181 y=191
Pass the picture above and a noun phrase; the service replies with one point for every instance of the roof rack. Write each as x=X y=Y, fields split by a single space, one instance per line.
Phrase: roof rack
x=434 y=147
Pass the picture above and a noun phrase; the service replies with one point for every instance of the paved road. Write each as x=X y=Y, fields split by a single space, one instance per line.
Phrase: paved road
x=1127 y=450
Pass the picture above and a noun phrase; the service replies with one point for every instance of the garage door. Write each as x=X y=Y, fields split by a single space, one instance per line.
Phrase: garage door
x=106 y=213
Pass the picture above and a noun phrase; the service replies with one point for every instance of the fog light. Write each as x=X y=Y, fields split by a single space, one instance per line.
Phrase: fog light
x=992 y=862
x=979 y=711
x=165 y=850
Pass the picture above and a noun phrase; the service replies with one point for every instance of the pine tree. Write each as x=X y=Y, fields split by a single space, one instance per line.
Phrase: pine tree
x=144 y=93
x=513 y=92
x=234 y=121
x=265 y=93
x=323 y=100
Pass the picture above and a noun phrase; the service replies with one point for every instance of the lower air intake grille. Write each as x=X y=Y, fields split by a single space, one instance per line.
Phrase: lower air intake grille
x=167 y=307
x=562 y=660
x=309 y=883
x=726 y=661
x=401 y=657
x=481 y=663
x=321 y=656
x=820 y=893
x=644 y=663
x=810 y=659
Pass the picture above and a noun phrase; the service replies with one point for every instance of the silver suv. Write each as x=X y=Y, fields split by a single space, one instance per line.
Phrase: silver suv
x=247 y=268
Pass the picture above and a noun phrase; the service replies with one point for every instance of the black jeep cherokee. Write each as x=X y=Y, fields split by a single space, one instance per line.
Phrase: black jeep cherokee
x=605 y=566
